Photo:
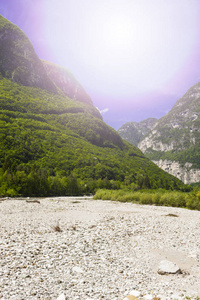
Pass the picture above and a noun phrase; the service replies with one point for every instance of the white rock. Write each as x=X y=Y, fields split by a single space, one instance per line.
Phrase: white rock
x=130 y=297
x=61 y=297
x=135 y=293
x=167 y=267
x=177 y=297
x=77 y=270
x=148 y=297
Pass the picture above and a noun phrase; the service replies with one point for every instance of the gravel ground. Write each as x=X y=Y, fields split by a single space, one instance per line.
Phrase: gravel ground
x=91 y=249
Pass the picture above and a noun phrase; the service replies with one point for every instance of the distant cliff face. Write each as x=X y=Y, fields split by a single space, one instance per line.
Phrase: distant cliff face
x=134 y=132
x=66 y=82
x=173 y=142
x=185 y=172
x=18 y=60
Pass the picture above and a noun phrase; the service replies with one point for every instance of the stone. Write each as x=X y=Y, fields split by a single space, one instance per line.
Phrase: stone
x=100 y=252
x=148 y=297
x=77 y=270
x=130 y=297
x=61 y=297
x=168 y=267
x=135 y=293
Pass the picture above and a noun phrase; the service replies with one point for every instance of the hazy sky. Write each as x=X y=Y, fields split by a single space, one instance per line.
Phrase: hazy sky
x=134 y=57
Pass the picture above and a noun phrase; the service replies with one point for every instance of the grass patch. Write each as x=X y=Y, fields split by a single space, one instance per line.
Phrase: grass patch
x=190 y=200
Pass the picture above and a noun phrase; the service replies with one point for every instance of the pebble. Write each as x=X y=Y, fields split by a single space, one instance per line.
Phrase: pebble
x=148 y=297
x=105 y=250
x=130 y=297
x=135 y=293
x=61 y=297
x=77 y=270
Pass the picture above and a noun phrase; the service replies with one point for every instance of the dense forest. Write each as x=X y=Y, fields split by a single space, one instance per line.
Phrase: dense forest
x=52 y=145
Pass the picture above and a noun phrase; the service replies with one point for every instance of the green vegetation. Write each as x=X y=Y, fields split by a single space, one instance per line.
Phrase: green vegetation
x=54 y=145
x=191 y=155
x=189 y=200
x=49 y=142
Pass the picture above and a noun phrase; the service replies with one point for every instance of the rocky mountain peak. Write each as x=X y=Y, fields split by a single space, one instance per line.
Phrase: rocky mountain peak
x=173 y=142
x=135 y=131
x=19 y=61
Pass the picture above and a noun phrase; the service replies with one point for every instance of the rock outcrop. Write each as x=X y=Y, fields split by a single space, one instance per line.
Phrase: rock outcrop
x=66 y=82
x=173 y=142
x=183 y=172
x=18 y=60
x=134 y=132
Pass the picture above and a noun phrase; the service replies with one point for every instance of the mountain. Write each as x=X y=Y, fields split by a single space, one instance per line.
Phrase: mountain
x=134 y=132
x=174 y=141
x=53 y=140
x=19 y=61
x=66 y=82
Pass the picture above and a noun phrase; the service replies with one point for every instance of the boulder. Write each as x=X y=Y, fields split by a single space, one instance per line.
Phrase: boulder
x=168 y=267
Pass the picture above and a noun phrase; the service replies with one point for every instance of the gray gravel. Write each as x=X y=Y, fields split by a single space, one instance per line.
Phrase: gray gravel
x=104 y=250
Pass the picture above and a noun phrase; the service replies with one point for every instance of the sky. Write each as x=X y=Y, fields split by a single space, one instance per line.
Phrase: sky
x=135 y=58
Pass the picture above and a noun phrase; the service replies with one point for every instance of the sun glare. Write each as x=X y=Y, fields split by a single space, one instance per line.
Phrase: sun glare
x=118 y=32
x=125 y=45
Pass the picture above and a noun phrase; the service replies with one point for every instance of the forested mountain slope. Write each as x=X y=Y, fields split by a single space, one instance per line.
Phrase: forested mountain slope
x=54 y=145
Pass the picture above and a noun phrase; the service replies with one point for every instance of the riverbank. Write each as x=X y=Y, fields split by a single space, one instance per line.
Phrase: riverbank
x=92 y=249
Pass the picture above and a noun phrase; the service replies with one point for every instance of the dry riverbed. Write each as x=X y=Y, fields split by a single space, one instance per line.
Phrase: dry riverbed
x=91 y=249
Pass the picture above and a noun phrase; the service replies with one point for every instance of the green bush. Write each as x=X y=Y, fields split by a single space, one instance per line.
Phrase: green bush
x=189 y=200
x=146 y=198
x=193 y=203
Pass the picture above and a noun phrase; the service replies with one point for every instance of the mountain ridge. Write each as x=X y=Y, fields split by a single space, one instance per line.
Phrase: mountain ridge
x=174 y=142
x=66 y=82
x=20 y=62
x=133 y=132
